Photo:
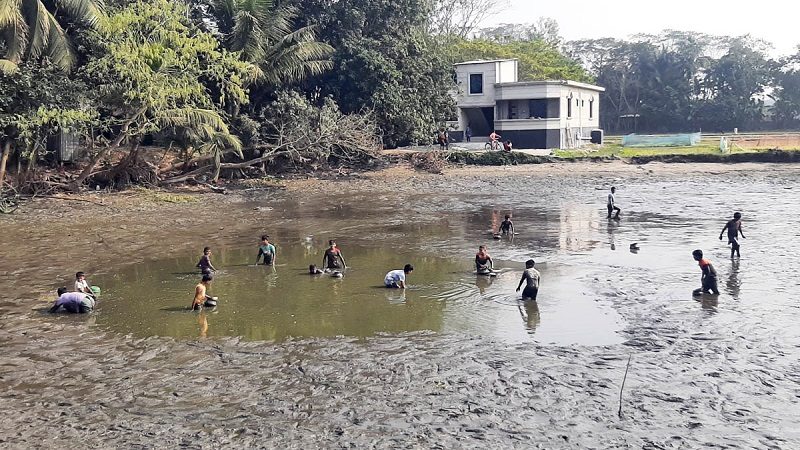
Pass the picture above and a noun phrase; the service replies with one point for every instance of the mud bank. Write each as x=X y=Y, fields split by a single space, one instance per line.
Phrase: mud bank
x=514 y=158
x=702 y=374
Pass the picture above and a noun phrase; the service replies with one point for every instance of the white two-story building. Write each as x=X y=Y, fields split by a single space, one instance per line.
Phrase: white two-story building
x=531 y=114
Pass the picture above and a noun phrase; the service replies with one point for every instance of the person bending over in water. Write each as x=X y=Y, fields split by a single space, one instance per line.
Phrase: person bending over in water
x=204 y=264
x=201 y=292
x=73 y=302
x=532 y=277
x=483 y=262
x=708 y=280
x=312 y=270
x=267 y=249
x=734 y=227
x=397 y=278
x=506 y=226
x=612 y=205
x=333 y=258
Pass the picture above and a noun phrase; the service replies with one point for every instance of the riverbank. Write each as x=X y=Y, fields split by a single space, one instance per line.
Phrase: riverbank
x=696 y=368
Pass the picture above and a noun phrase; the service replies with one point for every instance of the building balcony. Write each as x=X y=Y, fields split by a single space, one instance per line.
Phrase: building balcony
x=528 y=124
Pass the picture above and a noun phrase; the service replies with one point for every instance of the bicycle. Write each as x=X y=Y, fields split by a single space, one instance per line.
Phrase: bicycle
x=493 y=145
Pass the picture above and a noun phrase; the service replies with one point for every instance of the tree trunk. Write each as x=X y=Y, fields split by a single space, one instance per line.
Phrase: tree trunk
x=4 y=161
x=123 y=133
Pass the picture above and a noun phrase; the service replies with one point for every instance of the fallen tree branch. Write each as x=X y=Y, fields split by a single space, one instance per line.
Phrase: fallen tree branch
x=186 y=176
x=55 y=197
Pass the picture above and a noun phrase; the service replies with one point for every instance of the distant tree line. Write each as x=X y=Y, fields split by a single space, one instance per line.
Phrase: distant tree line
x=240 y=87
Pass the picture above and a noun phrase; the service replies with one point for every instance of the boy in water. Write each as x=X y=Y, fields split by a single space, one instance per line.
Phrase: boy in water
x=81 y=285
x=531 y=277
x=506 y=226
x=205 y=262
x=708 y=279
x=266 y=249
x=483 y=262
x=73 y=302
x=612 y=205
x=397 y=278
x=333 y=258
x=734 y=227
x=313 y=270
x=201 y=292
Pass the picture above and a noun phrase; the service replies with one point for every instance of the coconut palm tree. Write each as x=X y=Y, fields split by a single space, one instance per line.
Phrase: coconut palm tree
x=264 y=34
x=30 y=29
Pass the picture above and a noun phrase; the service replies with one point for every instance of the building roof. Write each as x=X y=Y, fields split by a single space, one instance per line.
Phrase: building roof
x=576 y=84
x=484 y=61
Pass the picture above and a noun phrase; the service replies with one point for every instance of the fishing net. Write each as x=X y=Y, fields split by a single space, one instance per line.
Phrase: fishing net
x=668 y=140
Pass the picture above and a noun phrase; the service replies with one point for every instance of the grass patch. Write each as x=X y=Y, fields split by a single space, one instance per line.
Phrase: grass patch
x=164 y=197
x=495 y=158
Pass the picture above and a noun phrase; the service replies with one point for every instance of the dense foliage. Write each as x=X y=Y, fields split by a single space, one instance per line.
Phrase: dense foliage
x=237 y=86
x=682 y=81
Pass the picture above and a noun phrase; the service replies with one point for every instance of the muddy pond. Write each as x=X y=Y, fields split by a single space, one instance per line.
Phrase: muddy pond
x=457 y=360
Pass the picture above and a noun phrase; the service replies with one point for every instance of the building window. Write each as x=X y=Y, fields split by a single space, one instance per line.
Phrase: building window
x=569 y=108
x=591 y=108
x=475 y=83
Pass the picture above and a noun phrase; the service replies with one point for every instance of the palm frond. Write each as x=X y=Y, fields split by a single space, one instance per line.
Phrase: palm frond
x=16 y=41
x=219 y=142
x=10 y=15
x=59 y=49
x=8 y=67
x=203 y=121
x=38 y=19
x=86 y=11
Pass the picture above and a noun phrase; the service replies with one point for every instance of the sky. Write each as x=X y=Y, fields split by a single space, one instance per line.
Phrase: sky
x=777 y=21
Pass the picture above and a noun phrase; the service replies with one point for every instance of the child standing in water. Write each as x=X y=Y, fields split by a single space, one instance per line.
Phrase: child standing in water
x=506 y=227
x=81 y=285
x=483 y=262
x=708 y=280
x=734 y=227
x=612 y=205
x=267 y=249
x=204 y=264
x=531 y=277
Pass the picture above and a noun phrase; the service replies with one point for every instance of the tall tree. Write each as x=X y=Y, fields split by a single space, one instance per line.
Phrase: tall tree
x=787 y=91
x=459 y=18
x=538 y=59
x=157 y=71
x=31 y=29
x=265 y=34
x=384 y=61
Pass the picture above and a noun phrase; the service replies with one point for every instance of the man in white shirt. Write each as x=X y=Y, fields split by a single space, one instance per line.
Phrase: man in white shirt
x=397 y=278
x=612 y=204
x=73 y=302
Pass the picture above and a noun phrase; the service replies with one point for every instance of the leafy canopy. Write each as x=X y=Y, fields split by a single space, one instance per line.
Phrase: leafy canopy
x=159 y=71
x=32 y=29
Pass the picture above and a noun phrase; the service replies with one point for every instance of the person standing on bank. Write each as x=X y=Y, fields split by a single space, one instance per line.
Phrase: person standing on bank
x=333 y=258
x=612 y=204
x=468 y=134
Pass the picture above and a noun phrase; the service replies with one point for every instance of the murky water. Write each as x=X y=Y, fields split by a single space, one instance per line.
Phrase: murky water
x=295 y=361
x=284 y=301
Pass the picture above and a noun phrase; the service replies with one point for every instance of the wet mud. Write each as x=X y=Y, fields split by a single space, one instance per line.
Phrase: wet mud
x=720 y=372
